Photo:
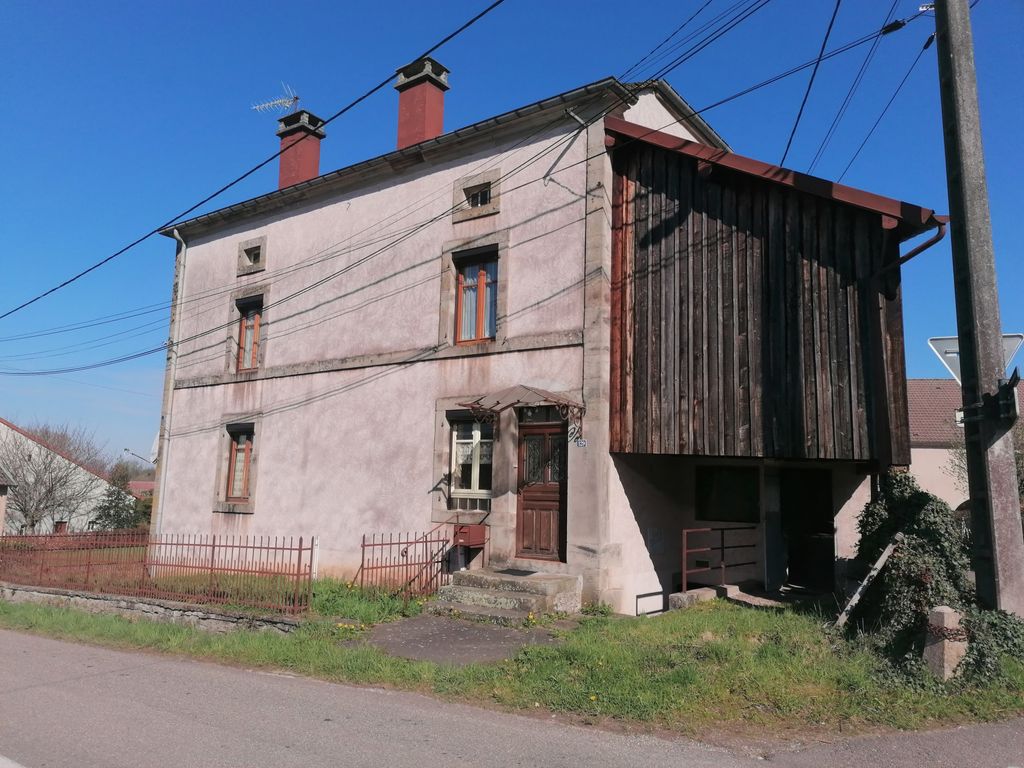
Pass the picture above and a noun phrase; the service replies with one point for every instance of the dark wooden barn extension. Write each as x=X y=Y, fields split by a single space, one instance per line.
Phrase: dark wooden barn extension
x=756 y=312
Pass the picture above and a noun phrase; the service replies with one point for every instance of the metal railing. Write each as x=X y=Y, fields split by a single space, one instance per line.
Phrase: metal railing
x=265 y=572
x=414 y=563
x=721 y=548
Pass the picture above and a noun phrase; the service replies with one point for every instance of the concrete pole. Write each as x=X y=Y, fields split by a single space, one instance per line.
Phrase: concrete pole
x=998 y=556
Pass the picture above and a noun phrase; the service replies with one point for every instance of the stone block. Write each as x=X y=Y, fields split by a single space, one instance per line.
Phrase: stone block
x=691 y=597
x=946 y=644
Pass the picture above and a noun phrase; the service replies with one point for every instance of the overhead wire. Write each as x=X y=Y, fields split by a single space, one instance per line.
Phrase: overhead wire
x=850 y=93
x=351 y=105
x=764 y=83
x=810 y=82
x=885 y=109
x=731 y=23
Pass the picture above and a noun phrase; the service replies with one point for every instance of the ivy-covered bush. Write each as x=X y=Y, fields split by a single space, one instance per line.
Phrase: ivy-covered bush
x=927 y=569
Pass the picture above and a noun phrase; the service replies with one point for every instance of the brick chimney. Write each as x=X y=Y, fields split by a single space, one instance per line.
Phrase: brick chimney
x=421 y=86
x=300 y=162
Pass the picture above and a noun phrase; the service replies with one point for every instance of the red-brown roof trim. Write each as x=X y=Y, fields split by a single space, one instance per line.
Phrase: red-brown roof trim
x=913 y=219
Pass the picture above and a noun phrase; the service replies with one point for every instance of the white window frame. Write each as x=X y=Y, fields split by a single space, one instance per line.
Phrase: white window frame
x=474 y=492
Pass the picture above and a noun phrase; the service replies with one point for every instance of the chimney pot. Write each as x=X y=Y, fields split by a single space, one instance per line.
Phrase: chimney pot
x=300 y=156
x=421 y=86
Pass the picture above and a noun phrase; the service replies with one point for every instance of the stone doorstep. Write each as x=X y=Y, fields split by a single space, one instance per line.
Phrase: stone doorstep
x=203 y=617
x=503 y=617
x=493 y=598
x=548 y=584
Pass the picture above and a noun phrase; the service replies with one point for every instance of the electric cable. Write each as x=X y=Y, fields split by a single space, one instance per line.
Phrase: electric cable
x=927 y=45
x=850 y=93
x=387 y=81
x=810 y=82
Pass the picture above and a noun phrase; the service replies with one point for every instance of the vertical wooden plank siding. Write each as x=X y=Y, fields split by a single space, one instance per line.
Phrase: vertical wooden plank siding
x=749 y=319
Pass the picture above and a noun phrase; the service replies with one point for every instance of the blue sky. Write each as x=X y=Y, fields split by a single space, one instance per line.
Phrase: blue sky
x=120 y=114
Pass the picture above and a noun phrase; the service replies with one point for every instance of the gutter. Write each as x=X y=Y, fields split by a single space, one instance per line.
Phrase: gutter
x=940 y=232
x=169 y=376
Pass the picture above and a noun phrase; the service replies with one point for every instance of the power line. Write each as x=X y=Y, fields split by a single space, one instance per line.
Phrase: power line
x=659 y=46
x=716 y=34
x=422 y=225
x=927 y=45
x=387 y=81
x=810 y=83
x=848 y=99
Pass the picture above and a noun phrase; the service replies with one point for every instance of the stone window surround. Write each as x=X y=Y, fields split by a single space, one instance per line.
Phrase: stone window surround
x=493 y=243
x=503 y=464
x=244 y=267
x=236 y=422
x=231 y=352
x=460 y=206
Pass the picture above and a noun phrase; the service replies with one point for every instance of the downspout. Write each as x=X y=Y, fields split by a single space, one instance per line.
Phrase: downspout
x=941 y=222
x=170 y=373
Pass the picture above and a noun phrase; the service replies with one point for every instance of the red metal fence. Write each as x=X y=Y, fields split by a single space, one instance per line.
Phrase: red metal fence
x=721 y=548
x=412 y=563
x=267 y=572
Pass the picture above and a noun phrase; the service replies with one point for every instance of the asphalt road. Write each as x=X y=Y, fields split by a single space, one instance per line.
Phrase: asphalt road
x=63 y=704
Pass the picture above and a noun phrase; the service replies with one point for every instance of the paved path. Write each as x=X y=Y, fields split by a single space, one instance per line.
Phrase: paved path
x=63 y=704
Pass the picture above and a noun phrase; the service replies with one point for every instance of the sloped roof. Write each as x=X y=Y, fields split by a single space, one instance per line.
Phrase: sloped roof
x=609 y=88
x=52 y=449
x=933 y=404
x=910 y=220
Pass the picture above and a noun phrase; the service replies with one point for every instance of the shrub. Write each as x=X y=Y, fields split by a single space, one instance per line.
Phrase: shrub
x=928 y=569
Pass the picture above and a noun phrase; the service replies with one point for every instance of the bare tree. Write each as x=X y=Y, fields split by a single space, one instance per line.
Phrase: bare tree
x=54 y=474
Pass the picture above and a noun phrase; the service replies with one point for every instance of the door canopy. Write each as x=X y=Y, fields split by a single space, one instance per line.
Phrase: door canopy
x=488 y=408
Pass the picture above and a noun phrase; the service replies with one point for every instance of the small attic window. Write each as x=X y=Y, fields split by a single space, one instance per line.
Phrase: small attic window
x=476 y=196
x=252 y=256
x=479 y=195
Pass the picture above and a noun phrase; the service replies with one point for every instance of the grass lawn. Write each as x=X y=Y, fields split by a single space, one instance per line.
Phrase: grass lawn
x=710 y=666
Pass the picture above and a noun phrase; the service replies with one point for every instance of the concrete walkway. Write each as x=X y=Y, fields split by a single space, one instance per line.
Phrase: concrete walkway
x=63 y=704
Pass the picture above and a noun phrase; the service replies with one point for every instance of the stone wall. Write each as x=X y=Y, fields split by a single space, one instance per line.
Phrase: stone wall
x=205 y=618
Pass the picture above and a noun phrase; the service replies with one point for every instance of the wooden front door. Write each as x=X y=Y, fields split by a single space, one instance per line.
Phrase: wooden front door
x=540 y=519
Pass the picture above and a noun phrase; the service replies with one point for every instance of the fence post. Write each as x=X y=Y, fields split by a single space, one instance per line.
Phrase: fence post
x=213 y=560
x=686 y=547
x=298 y=579
x=721 y=556
x=88 y=566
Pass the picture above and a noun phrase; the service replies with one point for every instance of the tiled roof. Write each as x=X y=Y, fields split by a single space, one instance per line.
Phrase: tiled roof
x=932 y=404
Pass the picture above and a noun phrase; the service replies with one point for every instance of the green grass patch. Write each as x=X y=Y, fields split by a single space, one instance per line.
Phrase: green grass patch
x=712 y=665
x=333 y=598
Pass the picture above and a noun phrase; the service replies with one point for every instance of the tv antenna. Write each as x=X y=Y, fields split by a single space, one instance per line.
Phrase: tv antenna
x=284 y=103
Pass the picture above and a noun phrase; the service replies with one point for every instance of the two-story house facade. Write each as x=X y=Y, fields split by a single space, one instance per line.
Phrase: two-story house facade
x=451 y=329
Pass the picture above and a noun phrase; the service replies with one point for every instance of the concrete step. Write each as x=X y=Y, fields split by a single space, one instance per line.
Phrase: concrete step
x=505 y=617
x=492 y=598
x=547 y=584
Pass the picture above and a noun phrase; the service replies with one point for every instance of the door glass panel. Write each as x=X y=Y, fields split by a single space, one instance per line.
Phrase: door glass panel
x=557 y=459
x=534 y=458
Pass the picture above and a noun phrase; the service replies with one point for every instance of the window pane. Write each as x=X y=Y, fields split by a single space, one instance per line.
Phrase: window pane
x=485 y=477
x=491 y=300
x=467 y=321
x=247 y=342
x=237 y=489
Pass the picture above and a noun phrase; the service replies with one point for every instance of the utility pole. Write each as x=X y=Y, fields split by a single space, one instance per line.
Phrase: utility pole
x=998 y=554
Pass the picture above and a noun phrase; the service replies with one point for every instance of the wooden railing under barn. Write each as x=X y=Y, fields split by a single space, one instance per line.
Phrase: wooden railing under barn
x=272 y=573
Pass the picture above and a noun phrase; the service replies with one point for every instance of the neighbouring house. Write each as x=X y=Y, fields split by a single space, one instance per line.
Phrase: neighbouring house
x=44 y=489
x=585 y=323
x=140 y=489
x=935 y=437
